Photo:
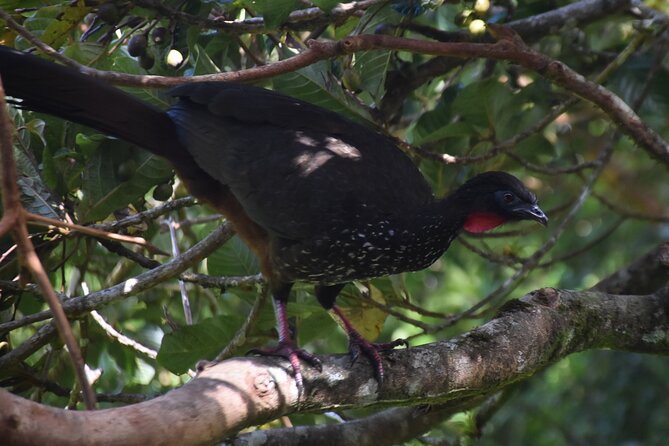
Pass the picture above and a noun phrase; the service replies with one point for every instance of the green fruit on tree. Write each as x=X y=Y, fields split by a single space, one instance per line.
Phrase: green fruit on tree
x=146 y=61
x=162 y=192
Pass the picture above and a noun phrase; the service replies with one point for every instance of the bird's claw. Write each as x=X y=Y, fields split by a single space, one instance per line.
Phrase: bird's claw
x=358 y=344
x=293 y=354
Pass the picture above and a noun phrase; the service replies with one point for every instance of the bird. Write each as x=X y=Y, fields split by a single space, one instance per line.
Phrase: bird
x=317 y=197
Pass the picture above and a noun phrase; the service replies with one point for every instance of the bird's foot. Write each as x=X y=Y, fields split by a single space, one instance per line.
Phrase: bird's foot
x=358 y=344
x=293 y=354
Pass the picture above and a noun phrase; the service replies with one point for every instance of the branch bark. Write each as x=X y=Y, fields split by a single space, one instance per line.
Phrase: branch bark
x=528 y=335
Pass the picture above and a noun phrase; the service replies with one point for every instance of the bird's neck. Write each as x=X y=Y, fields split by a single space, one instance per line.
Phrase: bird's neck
x=459 y=212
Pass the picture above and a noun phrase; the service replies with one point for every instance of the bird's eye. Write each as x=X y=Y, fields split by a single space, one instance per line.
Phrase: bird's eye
x=508 y=197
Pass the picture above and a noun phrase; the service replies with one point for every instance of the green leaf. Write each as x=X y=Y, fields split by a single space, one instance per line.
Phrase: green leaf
x=103 y=193
x=315 y=84
x=367 y=319
x=52 y=24
x=126 y=64
x=485 y=105
x=436 y=125
x=373 y=65
x=274 y=12
x=203 y=63
x=86 y=53
x=35 y=196
x=233 y=259
x=36 y=127
x=536 y=149
x=326 y=5
x=180 y=350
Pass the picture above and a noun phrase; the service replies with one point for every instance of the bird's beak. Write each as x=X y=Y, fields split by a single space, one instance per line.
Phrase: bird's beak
x=531 y=212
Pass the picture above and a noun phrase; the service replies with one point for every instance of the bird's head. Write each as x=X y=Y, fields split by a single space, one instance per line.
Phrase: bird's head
x=494 y=198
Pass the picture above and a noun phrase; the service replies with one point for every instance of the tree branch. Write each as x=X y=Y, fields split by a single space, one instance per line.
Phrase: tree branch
x=530 y=29
x=241 y=392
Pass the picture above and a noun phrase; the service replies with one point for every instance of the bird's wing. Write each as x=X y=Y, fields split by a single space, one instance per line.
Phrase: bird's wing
x=298 y=170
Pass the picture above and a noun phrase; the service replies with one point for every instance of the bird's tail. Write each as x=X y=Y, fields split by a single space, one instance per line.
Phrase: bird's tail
x=57 y=90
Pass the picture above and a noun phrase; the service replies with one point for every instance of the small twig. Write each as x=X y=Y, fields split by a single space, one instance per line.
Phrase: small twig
x=189 y=222
x=121 y=338
x=553 y=170
x=585 y=248
x=133 y=256
x=148 y=215
x=185 y=302
x=389 y=309
x=206 y=281
x=507 y=260
x=45 y=221
x=242 y=333
x=491 y=406
x=657 y=218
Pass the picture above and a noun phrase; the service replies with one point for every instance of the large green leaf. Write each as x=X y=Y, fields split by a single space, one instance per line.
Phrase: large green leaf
x=53 y=24
x=102 y=191
x=274 y=12
x=233 y=259
x=326 y=5
x=126 y=64
x=203 y=63
x=87 y=53
x=180 y=350
x=35 y=195
x=373 y=65
x=436 y=125
x=315 y=84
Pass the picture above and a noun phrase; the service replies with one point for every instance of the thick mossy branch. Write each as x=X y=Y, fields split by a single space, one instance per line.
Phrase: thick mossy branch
x=528 y=335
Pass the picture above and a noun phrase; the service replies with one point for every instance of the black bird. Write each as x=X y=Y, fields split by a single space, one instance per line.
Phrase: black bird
x=317 y=197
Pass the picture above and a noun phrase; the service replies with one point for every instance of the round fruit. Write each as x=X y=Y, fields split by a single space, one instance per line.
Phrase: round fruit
x=477 y=27
x=162 y=192
x=137 y=45
x=174 y=58
x=159 y=35
x=351 y=80
x=146 y=61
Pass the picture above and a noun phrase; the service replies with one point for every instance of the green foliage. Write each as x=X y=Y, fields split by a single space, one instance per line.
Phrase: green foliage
x=275 y=12
x=318 y=86
x=233 y=259
x=182 y=348
x=103 y=187
x=326 y=5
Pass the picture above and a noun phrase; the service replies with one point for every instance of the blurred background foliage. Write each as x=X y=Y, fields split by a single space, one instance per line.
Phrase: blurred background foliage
x=461 y=111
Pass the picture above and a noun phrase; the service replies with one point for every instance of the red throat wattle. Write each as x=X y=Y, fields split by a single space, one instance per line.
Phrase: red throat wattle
x=482 y=221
